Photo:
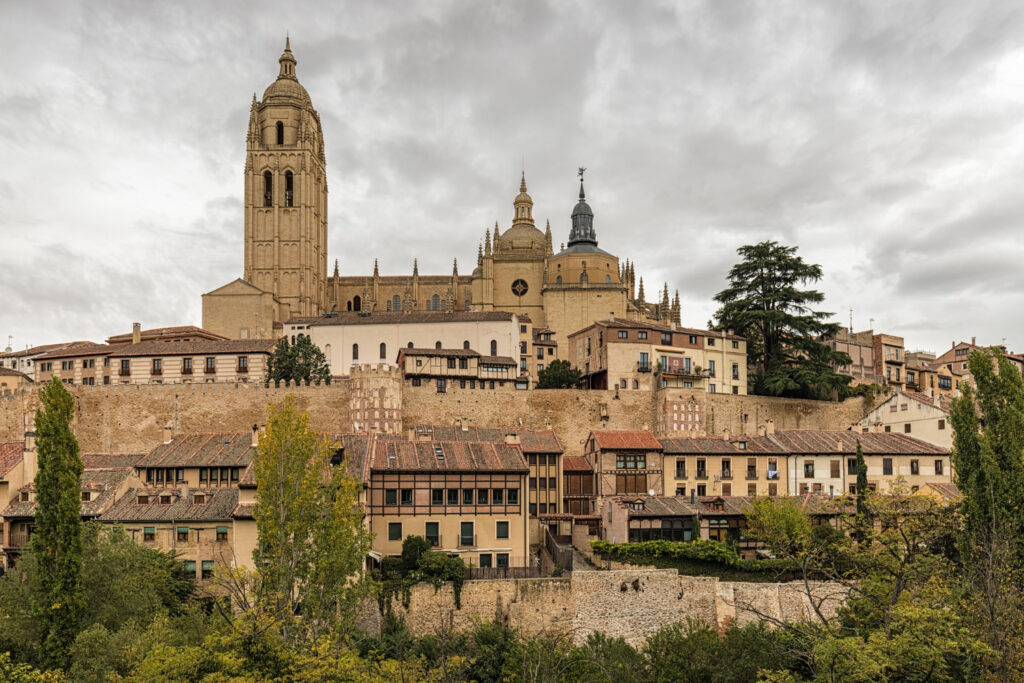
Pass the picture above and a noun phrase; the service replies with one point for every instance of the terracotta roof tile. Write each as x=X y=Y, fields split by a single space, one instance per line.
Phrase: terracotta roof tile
x=656 y=506
x=637 y=440
x=531 y=441
x=245 y=511
x=220 y=504
x=444 y=353
x=178 y=330
x=712 y=445
x=100 y=483
x=8 y=372
x=815 y=441
x=575 y=463
x=232 y=449
x=204 y=347
x=79 y=349
x=96 y=461
x=36 y=350
x=455 y=456
x=940 y=402
x=11 y=453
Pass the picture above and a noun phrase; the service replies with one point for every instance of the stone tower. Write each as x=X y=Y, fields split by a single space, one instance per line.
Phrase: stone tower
x=286 y=196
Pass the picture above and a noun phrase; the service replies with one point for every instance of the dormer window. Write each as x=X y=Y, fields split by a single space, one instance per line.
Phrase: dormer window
x=439 y=452
x=165 y=500
x=86 y=496
x=142 y=500
x=199 y=499
x=337 y=457
x=637 y=505
x=24 y=496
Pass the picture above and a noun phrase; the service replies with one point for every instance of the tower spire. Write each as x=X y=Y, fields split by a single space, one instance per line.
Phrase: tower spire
x=415 y=268
x=376 y=270
x=582 y=234
x=455 y=267
x=335 y=267
x=287 y=61
x=487 y=242
x=640 y=292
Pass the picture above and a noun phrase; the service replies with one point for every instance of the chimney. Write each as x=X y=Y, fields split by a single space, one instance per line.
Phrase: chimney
x=839 y=446
x=30 y=459
x=644 y=427
x=512 y=438
x=973 y=340
x=136 y=333
x=168 y=432
x=255 y=435
x=725 y=433
x=762 y=430
x=769 y=427
x=465 y=427
x=693 y=496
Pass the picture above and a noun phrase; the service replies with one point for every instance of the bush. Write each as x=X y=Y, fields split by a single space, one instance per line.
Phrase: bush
x=699 y=557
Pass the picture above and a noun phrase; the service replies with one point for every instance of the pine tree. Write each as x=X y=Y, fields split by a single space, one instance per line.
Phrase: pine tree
x=765 y=303
x=57 y=537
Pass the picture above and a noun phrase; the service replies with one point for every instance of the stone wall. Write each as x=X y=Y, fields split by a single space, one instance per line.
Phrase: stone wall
x=130 y=419
x=631 y=603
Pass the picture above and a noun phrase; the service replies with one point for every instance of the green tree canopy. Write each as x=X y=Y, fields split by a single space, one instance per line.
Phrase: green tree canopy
x=766 y=302
x=57 y=538
x=302 y=361
x=312 y=542
x=559 y=374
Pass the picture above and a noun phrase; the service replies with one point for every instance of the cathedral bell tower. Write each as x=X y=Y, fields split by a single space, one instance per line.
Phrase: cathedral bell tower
x=286 y=196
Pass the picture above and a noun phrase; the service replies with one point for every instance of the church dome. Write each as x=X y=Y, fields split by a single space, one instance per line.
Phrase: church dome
x=286 y=89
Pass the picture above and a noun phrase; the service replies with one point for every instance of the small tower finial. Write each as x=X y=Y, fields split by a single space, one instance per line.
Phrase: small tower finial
x=522 y=182
x=335 y=267
x=416 y=267
x=287 y=42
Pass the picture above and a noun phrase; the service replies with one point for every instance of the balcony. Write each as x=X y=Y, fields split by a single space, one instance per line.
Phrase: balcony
x=726 y=474
x=643 y=367
x=243 y=368
x=702 y=474
x=18 y=539
x=680 y=474
x=210 y=369
x=773 y=475
x=125 y=372
x=751 y=473
x=683 y=371
x=467 y=541
x=156 y=371
x=186 y=371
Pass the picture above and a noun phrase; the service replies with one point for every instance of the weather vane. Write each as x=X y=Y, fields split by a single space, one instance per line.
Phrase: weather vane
x=581 y=172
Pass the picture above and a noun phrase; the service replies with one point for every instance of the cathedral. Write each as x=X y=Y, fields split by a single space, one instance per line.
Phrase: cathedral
x=285 y=261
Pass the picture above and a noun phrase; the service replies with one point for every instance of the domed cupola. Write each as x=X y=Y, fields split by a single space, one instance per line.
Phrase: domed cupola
x=582 y=222
x=523 y=205
x=286 y=89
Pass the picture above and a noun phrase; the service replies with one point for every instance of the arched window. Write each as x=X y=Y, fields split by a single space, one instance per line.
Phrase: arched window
x=280 y=133
x=494 y=347
x=607 y=279
x=348 y=305
x=327 y=353
x=355 y=352
x=444 y=305
x=357 y=303
x=437 y=345
x=389 y=305
x=383 y=351
x=396 y=303
x=583 y=278
x=465 y=345
x=636 y=384
x=558 y=280
x=268 y=189
x=289 y=185
x=410 y=345
x=436 y=302
x=467 y=304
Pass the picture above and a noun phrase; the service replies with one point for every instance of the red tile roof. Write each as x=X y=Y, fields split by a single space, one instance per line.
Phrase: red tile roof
x=101 y=483
x=940 y=402
x=575 y=463
x=826 y=442
x=7 y=372
x=455 y=456
x=405 y=318
x=245 y=511
x=458 y=353
x=220 y=504
x=648 y=325
x=11 y=453
x=232 y=449
x=531 y=441
x=97 y=461
x=157 y=332
x=202 y=347
x=712 y=445
x=636 y=440
x=77 y=350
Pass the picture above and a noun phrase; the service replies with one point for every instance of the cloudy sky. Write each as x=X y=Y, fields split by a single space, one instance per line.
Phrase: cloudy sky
x=885 y=139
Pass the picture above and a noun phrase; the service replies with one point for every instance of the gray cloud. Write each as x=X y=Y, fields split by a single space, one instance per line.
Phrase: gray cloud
x=884 y=140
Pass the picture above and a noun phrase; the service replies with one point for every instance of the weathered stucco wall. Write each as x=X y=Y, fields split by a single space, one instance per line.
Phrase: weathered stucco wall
x=631 y=603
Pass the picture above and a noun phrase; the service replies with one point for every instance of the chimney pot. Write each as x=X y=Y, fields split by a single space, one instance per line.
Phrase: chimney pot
x=973 y=340
x=168 y=433
x=255 y=435
x=136 y=333
x=770 y=427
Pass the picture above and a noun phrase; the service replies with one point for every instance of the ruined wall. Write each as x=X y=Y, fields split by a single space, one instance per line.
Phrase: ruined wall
x=130 y=419
x=632 y=603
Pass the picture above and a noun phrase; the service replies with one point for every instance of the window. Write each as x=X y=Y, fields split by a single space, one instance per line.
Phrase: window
x=442 y=386
x=482 y=496
x=501 y=530
x=485 y=561
x=394 y=531
x=735 y=345
x=86 y=496
x=268 y=189
x=726 y=489
x=887 y=466
x=243 y=363
x=666 y=338
x=623 y=334
x=726 y=468
x=915 y=467
x=834 y=469
x=466 y=536
x=711 y=341
x=390 y=496
x=451 y=363
x=165 y=500
x=183 y=534
x=502 y=558
x=735 y=370
x=533 y=510
x=149 y=533
x=288 y=188
x=630 y=462
x=207 y=569
x=851 y=465
x=513 y=496
x=222 y=533
x=494 y=347
x=406 y=496
x=453 y=496
x=809 y=469
x=437 y=496
x=906 y=428
x=942 y=424
x=125 y=367
x=186 y=366
x=383 y=351
x=680 y=468
x=211 y=364
x=938 y=467
x=711 y=368
x=189 y=568
x=355 y=352
x=280 y=133
x=498 y=497
x=467 y=496
x=199 y=499
x=158 y=365
x=432 y=534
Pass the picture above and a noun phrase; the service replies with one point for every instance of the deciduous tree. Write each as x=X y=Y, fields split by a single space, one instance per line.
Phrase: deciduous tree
x=302 y=361
x=559 y=374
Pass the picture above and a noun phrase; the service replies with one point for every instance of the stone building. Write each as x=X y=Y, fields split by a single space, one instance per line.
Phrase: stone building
x=639 y=354
x=285 y=260
x=625 y=462
x=910 y=412
x=24 y=361
x=12 y=380
x=723 y=467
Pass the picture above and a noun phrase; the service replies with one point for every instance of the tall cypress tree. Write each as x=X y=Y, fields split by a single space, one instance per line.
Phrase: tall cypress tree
x=57 y=538
x=863 y=519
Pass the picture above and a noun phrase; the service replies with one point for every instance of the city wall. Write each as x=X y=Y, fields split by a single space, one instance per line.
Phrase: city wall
x=130 y=419
x=631 y=603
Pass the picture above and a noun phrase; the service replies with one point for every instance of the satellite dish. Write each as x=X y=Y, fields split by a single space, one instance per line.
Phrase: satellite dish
x=650 y=492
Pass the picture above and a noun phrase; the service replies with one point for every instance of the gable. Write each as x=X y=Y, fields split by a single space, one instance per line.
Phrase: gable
x=236 y=287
